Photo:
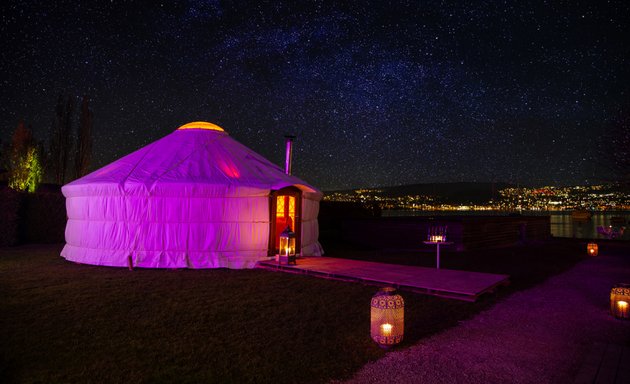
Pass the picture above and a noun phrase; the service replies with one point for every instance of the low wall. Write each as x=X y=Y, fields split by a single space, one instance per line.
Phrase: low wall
x=10 y=202
x=38 y=217
x=467 y=233
x=498 y=231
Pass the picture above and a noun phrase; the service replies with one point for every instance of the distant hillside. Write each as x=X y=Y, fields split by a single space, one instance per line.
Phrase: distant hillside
x=454 y=193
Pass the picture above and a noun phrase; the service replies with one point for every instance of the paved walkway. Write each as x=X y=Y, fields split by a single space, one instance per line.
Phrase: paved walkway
x=462 y=285
x=548 y=334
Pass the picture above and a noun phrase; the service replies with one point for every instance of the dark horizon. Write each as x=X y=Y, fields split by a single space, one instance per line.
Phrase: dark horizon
x=530 y=94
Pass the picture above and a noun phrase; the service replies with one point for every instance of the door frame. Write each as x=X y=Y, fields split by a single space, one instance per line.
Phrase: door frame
x=297 y=220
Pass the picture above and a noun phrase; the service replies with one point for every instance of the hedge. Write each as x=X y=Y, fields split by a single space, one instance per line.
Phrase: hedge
x=38 y=217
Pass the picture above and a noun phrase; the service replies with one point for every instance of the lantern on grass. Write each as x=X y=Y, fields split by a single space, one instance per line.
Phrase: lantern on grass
x=387 y=318
x=620 y=301
x=591 y=248
x=286 y=250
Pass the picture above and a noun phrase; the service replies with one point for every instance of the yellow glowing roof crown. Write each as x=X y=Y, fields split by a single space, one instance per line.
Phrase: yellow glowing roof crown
x=201 y=125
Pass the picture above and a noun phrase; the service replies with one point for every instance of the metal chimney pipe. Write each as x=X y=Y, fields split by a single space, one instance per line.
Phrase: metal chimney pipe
x=289 y=154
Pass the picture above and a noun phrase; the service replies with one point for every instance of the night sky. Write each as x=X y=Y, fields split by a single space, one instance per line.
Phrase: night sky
x=379 y=93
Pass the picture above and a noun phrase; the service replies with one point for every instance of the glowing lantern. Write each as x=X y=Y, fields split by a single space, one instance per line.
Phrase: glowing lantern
x=437 y=234
x=387 y=318
x=620 y=301
x=591 y=248
x=286 y=250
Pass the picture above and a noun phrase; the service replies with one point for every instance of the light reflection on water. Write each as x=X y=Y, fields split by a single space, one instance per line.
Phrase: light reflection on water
x=562 y=224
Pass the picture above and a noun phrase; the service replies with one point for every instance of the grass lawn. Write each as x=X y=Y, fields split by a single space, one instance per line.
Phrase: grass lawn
x=65 y=322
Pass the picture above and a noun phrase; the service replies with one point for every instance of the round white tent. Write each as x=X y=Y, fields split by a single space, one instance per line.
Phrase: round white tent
x=194 y=199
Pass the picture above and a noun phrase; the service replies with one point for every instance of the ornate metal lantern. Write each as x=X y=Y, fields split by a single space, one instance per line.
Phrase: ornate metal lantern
x=286 y=250
x=620 y=301
x=387 y=318
x=592 y=250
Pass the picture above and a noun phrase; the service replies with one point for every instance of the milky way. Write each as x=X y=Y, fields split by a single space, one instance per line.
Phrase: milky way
x=378 y=94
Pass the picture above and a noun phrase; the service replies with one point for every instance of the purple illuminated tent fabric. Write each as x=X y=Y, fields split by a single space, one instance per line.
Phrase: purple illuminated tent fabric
x=194 y=199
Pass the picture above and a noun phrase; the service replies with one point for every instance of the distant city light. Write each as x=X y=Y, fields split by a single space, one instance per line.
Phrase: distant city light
x=547 y=198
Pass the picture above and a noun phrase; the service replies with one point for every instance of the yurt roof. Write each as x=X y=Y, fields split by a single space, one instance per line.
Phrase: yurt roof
x=198 y=158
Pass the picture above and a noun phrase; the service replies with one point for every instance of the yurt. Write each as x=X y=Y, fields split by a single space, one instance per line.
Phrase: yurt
x=194 y=199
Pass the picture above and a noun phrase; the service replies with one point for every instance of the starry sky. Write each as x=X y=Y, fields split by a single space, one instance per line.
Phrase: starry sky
x=379 y=93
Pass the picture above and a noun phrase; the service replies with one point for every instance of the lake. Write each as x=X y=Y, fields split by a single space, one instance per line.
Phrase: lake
x=562 y=224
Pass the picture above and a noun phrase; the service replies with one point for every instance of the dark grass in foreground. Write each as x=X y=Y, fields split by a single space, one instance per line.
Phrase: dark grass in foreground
x=64 y=322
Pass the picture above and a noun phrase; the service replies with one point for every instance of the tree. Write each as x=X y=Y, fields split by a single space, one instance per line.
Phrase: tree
x=25 y=170
x=61 y=141
x=84 y=139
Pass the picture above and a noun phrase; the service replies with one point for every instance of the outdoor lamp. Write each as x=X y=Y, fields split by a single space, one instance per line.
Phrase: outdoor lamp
x=287 y=246
x=387 y=324
x=620 y=301
x=592 y=250
x=436 y=234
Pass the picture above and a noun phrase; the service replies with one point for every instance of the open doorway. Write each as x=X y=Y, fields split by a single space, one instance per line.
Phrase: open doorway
x=285 y=207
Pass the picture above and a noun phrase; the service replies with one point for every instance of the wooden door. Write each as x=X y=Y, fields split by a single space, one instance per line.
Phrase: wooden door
x=285 y=211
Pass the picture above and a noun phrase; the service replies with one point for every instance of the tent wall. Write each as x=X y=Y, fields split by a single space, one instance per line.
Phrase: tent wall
x=167 y=232
x=310 y=226
x=177 y=232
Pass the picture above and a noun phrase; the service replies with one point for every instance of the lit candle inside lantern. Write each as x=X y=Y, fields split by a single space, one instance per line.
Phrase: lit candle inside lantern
x=622 y=308
x=286 y=251
x=591 y=251
x=386 y=329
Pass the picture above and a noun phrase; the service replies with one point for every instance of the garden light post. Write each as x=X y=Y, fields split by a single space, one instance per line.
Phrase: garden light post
x=436 y=236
